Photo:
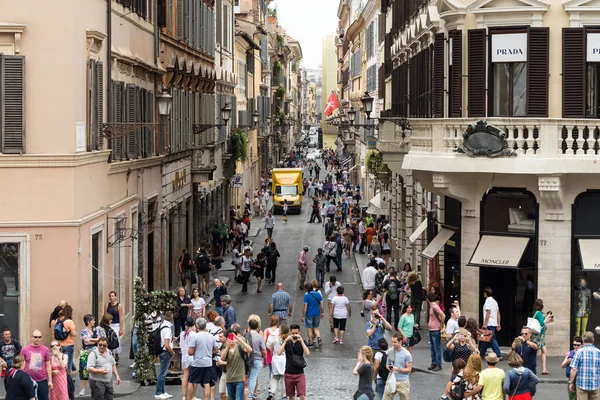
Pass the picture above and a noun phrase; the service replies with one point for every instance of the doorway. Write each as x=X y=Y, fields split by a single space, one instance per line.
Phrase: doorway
x=150 y=257
x=96 y=240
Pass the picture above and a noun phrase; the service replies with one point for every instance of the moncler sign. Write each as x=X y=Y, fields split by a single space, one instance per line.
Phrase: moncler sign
x=509 y=47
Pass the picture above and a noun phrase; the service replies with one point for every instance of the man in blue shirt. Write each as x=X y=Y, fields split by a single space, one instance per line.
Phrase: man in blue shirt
x=376 y=328
x=228 y=311
x=312 y=314
x=585 y=369
x=527 y=349
x=399 y=361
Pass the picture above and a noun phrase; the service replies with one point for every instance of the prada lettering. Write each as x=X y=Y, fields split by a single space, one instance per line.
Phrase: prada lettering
x=494 y=262
x=509 y=47
x=505 y=52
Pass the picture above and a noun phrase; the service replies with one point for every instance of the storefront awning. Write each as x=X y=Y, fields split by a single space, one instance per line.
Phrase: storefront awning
x=375 y=206
x=437 y=243
x=418 y=231
x=499 y=251
x=589 y=250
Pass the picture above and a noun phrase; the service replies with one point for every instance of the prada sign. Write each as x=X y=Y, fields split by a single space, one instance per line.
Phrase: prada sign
x=509 y=47
x=593 y=47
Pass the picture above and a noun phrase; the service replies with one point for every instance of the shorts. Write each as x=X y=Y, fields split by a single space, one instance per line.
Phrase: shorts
x=386 y=251
x=339 y=323
x=186 y=361
x=201 y=376
x=295 y=385
x=215 y=373
x=312 y=322
x=204 y=277
x=223 y=383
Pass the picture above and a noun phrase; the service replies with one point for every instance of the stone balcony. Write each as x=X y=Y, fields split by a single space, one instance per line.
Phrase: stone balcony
x=539 y=145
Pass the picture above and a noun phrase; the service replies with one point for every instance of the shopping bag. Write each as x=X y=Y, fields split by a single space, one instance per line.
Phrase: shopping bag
x=534 y=325
x=390 y=384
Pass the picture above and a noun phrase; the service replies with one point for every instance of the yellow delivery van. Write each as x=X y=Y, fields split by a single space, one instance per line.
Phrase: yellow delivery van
x=287 y=185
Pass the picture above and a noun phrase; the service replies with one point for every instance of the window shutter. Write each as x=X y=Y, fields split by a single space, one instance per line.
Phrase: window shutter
x=438 y=76
x=477 y=72
x=537 y=72
x=12 y=104
x=456 y=80
x=130 y=117
x=574 y=72
x=100 y=103
x=92 y=105
x=116 y=145
x=219 y=11
x=180 y=17
x=161 y=13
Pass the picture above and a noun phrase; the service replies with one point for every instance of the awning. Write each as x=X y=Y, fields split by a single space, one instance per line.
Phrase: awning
x=375 y=206
x=346 y=161
x=589 y=250
x=418 y=231
x=499 y=251
x=437 y=243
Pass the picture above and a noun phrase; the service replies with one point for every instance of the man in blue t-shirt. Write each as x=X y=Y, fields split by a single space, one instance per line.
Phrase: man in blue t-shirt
x=376 y=328
x=399 y=361
x=527 y=349
x=312 y=314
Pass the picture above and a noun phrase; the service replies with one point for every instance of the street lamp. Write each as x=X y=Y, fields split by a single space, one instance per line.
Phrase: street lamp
x=255 y=117
x=367 y=102
x=225 y=116
x=165 y=102
x=351 y=115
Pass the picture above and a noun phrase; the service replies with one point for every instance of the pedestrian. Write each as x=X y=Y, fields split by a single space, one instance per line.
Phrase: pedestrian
x=491 y=321
x=364 y=371
x=277 y=366
x=452 y=323
x=90 y=335
x=303 y=265
x=367 y=304
x=186 y=269
x=386 y=250
x=185 y=342
x=322 y=208
x=115 y=309
x=216 y=260
x=64 y=332
x=320 y=260
x=272 y=330
x=258 y=356
x=491 y=380
x=312 y=314
x=203 y=268
x=540 y=338
x=331 y=291
x=220 y=290
x=103 y=367
x=585 y=370
x=272 y=257
x=258 y=270
x=295 y=351
x=341 y=311
x=471 y=376
x=527 y=348
x=406 y=327
x=339 y=249
x=348 y=236
x=9 y=347
x=228 y=311
x=184 y=305
x=329 y=227
x=166 y=355
x=362 y=236
x=18 y=384
x=232 y=355
x=59 y=363
x=577 y=344
x=519 y=381
x=376 y=328
x=436 y=320
x=198 y=305
x=246 y=268
x=284 y=216
x=399 y=362
x=281 y=304
x=269 y=224
x=391 y=287
x=330 y=250
x=368 y=276
x=37 y=364
x=220 y=334
x=461 y=345
x=202 y=347
x=379 y=277
x=381 y=370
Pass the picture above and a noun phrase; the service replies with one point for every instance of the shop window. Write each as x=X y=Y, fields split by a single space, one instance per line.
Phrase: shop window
x=510 y=89
x=592 y=107
x=9 y=286
x=509 y=211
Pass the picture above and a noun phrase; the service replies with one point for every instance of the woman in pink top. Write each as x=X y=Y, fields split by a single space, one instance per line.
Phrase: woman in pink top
x=59 y=362
x=273 y=329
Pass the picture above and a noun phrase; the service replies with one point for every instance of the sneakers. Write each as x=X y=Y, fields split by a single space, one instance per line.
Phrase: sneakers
x=132 y=365
x=161 y=396
x=335 y=340
x=311 y=344
x=319 y=341
x=437 y=368
x=82 y=393
x=432 y=366
x=341 y=342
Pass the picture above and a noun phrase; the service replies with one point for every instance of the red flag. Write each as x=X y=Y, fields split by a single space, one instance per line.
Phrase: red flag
x=332 y=104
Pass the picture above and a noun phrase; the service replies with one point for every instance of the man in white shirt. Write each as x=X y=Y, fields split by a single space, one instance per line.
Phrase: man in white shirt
x=368 y=277
x=165 y=356
x=452 y=324
x=361 y=233
x=491 y=321
x=387 y=228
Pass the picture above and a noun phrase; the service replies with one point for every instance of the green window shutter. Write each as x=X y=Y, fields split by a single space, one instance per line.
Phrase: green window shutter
x=12 y=104
x=130 y=118
x=99 y=104
x=149 y=117
x=117 y=144
x=180 y=13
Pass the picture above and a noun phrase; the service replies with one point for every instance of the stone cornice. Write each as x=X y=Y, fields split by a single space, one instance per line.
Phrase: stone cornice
x=53 y=160
x=124 y=166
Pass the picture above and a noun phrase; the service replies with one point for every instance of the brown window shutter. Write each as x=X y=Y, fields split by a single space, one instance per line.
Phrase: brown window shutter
x=116 y=144
x=151 y=147
x=537 y=72
x=455 y=110
x=574 y=72
x=12 y=104
x=438 y=76
x=100 y=103
x=477 y=70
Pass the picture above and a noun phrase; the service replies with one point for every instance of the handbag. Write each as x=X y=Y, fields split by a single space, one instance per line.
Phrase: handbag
x=193 y=278
x=458 y=389
x=443 y=335
x=390 y=383
x=416 y=337
x=534 y=325
x=484 y=335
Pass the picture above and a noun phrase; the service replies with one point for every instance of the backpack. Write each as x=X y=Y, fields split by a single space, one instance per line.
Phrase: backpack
x=393 y=289
x=245 y=356
x=155 y=346
x=448 y=354
x=458 y=389
x=60 y=333
x=271 y=256
x=202 y=264
x=112 y=338
x=382 y=370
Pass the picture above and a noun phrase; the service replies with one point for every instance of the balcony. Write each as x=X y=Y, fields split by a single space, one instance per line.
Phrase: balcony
x=538 y=146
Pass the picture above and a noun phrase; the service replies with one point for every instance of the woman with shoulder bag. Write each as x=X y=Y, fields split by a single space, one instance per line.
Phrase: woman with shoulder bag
x=406 y=326
x=519 y=382
x=18 y=383
x=59 y=363
x=89 y=337
x=540 y=338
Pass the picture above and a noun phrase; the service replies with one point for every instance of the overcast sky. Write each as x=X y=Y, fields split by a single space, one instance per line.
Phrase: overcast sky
x=308 y=21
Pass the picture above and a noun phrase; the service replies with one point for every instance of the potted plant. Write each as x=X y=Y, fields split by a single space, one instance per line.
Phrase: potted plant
x=374 y=162
x=239 y=145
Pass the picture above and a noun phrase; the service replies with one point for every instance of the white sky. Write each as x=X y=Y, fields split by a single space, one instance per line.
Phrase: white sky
x=308 y=21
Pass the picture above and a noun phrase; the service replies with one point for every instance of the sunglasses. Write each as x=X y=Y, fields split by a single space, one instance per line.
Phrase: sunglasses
x=54 y=345
x=36 y=337
x=525 y=333
x=101 y=345
x=576 y=344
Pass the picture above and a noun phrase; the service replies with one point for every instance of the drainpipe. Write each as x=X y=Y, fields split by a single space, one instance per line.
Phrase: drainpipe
x=109 y=58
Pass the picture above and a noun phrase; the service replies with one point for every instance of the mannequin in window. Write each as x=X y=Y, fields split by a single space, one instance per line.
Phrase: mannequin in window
x=583 y=307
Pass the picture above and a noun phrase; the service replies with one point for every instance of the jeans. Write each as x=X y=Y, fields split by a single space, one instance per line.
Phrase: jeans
x=340 y=251
x=417 y=306
x=271 y=272
x=380 y=387
x=252 y=376
x=235 y=390
x=220 y=310
x=135 y=340
x=335 y=261
x=246 y=276
x=68 y=350
x=395 y=305
x=101 y=390
x=320 y=276
x=435 y=347
x=42 y=390
x=165 y=360
x=486 y=345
